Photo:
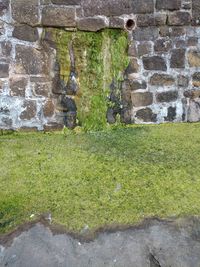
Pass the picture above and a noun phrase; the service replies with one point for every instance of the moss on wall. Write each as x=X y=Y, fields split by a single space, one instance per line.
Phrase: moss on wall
x=100 y=58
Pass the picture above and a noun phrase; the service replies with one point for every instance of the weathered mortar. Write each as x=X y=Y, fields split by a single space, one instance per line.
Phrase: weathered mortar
x=160 y=84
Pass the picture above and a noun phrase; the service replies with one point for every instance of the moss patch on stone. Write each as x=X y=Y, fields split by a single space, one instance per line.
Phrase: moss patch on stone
x=93 y=179
x=100 y=58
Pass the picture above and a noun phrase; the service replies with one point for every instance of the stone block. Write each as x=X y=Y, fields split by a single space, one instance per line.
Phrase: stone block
x=18 y=86
x=59 y=16
x=4 y=70
x=171 y=114
x=162 y=80
x=66 y=2
x=154 y=63
x=144 y=49
x=142 y=99
x=92 y=24
x=42 y=89
x=26 y=11
x=126 y=116
x=192 y=41
x=173 y=31
x=146 y=115
x=6 y=48
x=196 y=12
x=162 y=45
x=182 y=81
x=169 y=96
x=132 y=50
x=26 y=33
x=177 y=58
x=116 y=23
x=146 y=20
x=137 y=85
x=48 y=108
x=179 y=18
x=196 y=79
x=194 y=58
x=30 y=61
x=145 y=34
x=30 y=110
x=4 y=5
x=192 y=94
x=168 y=4
x=133 y=66
x=193 y=110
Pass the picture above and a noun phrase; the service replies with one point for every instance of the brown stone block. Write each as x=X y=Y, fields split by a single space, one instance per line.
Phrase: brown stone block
x=162 y=80
x=4 y=70
x=144 y=49
x=194 y=58
x=179 y=18
x=174 y=31
x=177 y=58
x=133 y=66
x=196 y=79
x=49 y=108
x=162 y=45
x=26 y=11
x=146 y=20
x=30 y=110
x=142 y=99
x=18 y=86
x=146 y=33
x=146 y=115
x=92 y=24
x=154 y=63
x=26 y=33
x=168 y=4
x=59 y=16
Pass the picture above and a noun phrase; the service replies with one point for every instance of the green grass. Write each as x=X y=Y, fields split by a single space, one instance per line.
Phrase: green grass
x=100 y=178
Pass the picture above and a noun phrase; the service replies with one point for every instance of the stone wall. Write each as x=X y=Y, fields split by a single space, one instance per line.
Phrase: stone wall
x=161 y=82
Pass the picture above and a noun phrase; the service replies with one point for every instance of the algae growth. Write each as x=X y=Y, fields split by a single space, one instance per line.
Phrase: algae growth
x=100 y=59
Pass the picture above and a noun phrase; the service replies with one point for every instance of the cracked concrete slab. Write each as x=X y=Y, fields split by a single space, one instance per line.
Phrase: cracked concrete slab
x=152 y=244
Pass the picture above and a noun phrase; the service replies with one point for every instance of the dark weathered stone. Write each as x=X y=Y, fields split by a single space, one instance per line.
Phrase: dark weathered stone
x=179 y=18
x=146 y=20
x=180 y=43
x=154 y=63
x=162 y=80
x=30 y=110
x=162 y=45
x=144 y=49
x=146 y=33
x=142 y=99
x=59 y=16
x=26 y=11
x=66 y=2
x=4 y=4
x=48 y=108
x=111 y=116
x=173 y=31
x=92 y=24
x=4 y=70
x=132 y=51
x=171 y=114
x=18 y=86
x=168 y=4
x=194 y=58
x=136 y=85
x=70 y=120
x=193 y=110
x=126 y=116
x=196 y=79
x=168 y=96
x=30 y=60
x=183 y=81
x=196 y=12
x=6 y=48
x=133 y=66
x=68 y=104
x=41 y=89
x=26 y=33
x=177 y=58
x=117 y=7
x=146 y=115
x=116 y=23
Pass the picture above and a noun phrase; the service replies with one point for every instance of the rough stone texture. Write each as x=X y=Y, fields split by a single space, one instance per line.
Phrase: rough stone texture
x=92 y=24
x=196 y=79
x=154 y=63
x=179 y=18
x=171 y=114
x=178 y=58
x=162 y=80
x=168 y=5
x=194 y=58
x=25 y=11
x=169 y=96
x=142 y=99
x=29 y=111
x=146 y=115
x=26 y=33
x=154 y=244
x=4 y=70
x=58 y=16
x=18 y=86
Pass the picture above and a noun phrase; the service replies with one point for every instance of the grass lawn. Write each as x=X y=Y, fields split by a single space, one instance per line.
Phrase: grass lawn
x=94 y=179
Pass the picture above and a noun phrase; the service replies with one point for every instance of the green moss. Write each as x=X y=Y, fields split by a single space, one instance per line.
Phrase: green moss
x=100 y=178
x=100 y=58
